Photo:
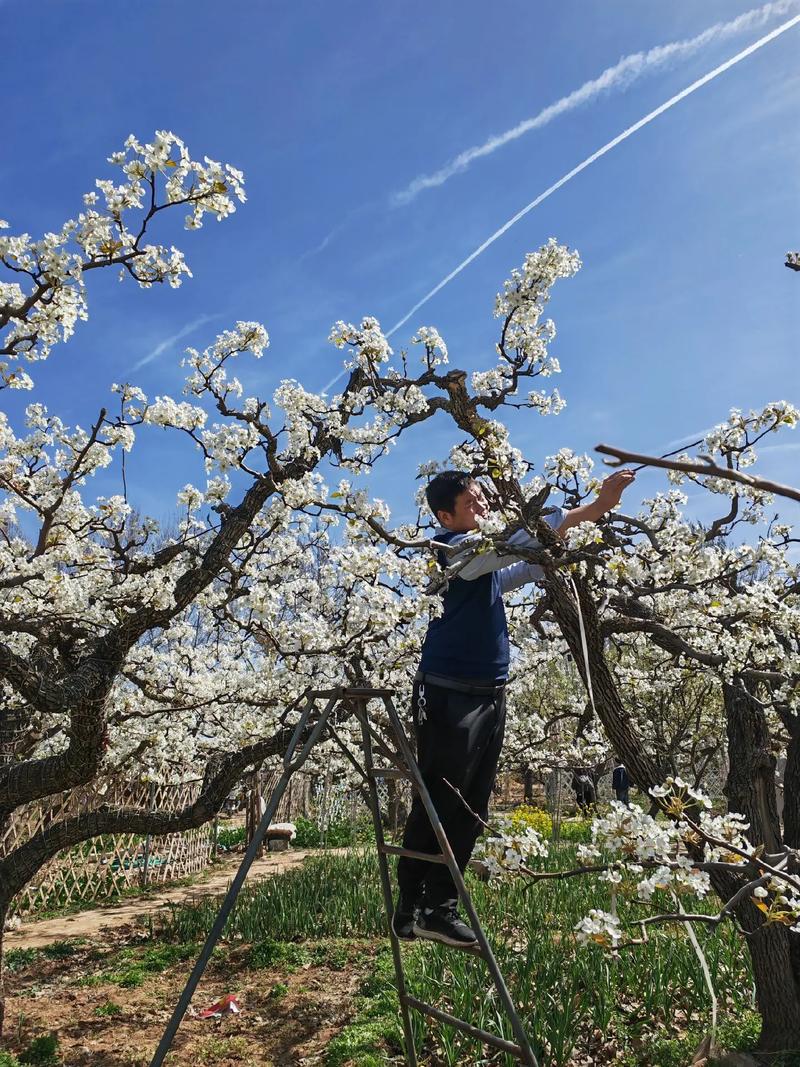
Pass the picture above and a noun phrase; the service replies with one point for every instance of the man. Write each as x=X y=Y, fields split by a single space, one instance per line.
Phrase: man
x=458 y=700
x=621 y=783
x=583 y=786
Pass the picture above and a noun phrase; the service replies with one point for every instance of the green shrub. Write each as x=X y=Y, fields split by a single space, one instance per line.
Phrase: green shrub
x=339 y=833
x=357 y=1045
x=268 y=953
x=231 y=837
x=308 y=833
x=42 y=1051
x=18 y=958
x=59 y=950
x=130 y=979
x=108 y=1010
x=157 y=959
x=8 y=1059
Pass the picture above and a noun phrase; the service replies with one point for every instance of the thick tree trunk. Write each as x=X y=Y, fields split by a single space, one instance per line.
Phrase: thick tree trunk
x=528 y=780
x=610 y=709
x=750 y=790
x=771 y=948
x=3 y=913
x=791 y=786
x=750 y=787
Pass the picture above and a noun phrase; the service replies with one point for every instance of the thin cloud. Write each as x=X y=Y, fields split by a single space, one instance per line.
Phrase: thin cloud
x=787 y=446
x=170 y=342
x=654 y=114
x=617 y=78
x=689 y=437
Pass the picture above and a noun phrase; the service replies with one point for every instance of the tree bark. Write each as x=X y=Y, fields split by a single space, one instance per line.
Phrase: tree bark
x=610 y=709
x=750 y=790
x=791 y=785
x=3 y=914
x=750 y=787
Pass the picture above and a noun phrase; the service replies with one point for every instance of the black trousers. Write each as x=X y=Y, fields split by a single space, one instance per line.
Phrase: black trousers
x=459 y=738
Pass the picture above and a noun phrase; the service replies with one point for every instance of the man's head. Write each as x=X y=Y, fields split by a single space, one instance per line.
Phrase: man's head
x=457 y=501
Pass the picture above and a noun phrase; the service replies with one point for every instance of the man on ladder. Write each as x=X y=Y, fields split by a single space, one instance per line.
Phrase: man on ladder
x=458 y=699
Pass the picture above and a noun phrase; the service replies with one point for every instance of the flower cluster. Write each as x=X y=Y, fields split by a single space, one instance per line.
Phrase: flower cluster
x=509 y=847
x=599 y=928
x=46 y=295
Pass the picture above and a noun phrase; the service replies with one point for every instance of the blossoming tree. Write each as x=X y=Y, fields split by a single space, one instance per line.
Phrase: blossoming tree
x=129 y=647
x=124 y=645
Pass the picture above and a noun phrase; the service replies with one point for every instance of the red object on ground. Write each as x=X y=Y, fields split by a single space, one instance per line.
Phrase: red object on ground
x=224 y=1006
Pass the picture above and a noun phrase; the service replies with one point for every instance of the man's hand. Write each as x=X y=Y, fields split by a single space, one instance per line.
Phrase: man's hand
x=613 y=487
x=609 y=496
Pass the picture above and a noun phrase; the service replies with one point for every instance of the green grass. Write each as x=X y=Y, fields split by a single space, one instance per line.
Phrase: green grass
x=17 y=959
x=42 y=1051
x=108 y=1010
x=651 y=1000
x=329 y=896
x=268 y=953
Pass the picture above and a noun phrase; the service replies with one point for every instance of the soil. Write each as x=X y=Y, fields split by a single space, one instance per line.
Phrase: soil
x=286 y=1019
x=288 y=1015
x=125 y=912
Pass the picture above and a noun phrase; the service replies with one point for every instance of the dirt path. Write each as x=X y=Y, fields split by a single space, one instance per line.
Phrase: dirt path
x=89 y=923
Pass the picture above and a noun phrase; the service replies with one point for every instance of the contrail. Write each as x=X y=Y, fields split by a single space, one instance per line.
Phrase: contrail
x=166 y=344
x=623 y=74
x=673 y=100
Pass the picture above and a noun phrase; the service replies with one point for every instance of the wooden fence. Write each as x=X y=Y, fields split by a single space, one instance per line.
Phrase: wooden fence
x=107 y=866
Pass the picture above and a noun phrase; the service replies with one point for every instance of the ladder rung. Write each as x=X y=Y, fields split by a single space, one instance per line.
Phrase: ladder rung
x=390 y=772
x=393 y=850
x=367 y=691
x=467 y=1028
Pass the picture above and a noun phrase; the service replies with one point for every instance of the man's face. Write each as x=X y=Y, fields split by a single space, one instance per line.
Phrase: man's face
x=469 y=506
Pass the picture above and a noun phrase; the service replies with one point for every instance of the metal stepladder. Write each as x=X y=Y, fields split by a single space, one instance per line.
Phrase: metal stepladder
x=313 y=725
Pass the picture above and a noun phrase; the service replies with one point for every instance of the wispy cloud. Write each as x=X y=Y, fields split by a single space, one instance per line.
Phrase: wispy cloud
x=654 y=114
x=786 y=446
x=614 y=79
x=689 y=437
x=170 y=342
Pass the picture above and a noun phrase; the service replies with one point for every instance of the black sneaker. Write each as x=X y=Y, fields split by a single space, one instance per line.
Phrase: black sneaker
x=443 y=924
x=403 y=919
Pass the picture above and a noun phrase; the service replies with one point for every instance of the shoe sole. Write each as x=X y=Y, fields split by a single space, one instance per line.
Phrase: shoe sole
x=403 y=937
x=432 y=935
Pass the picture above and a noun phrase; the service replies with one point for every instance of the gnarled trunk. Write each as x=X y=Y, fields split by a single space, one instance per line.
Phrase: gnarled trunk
x=611 y=711
x=791 y=785
x=750 y=790
x=3 y=913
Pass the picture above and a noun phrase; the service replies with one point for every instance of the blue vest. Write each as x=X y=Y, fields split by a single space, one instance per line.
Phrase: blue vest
x=469 y=641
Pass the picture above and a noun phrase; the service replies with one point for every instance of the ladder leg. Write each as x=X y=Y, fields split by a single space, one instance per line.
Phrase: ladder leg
x=444 y=844
x=290 y=765
x=361 y=715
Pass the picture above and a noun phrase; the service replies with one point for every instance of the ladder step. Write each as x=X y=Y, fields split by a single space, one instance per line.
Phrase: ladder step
x=366 y=691
x=393 y=850
x=390 y=772
x=467 y=1028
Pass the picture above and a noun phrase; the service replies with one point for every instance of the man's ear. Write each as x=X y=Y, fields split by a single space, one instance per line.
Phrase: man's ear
x=445 y=518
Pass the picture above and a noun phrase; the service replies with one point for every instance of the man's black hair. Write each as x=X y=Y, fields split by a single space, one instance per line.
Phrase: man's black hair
x=444 y=488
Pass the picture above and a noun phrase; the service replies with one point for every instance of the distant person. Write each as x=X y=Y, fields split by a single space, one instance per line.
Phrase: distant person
x=583 y=786
x=621 y=783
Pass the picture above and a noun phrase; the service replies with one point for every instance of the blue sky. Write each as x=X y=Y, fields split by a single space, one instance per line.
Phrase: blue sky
x=683 y=308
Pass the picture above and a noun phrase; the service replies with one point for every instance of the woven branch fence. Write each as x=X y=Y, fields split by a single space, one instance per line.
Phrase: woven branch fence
x=105 y=867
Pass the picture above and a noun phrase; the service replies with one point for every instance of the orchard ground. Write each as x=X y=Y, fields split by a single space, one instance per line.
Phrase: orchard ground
x=307 y=956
